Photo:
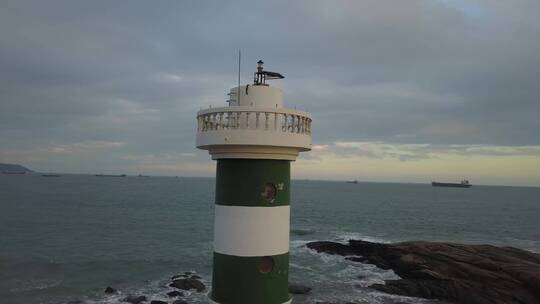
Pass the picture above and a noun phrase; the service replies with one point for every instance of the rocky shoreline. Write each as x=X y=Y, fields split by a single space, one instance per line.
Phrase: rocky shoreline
x=459 y=273
x=467 y=274
x=183 y=285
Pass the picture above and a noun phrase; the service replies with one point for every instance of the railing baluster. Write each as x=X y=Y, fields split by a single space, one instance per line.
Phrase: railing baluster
x=233 y=119
x=205 y=122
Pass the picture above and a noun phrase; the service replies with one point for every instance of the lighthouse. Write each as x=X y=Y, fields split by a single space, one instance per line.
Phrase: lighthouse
x=253 y=139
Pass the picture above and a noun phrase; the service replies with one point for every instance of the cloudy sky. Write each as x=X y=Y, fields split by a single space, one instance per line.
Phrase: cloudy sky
x=408 y=91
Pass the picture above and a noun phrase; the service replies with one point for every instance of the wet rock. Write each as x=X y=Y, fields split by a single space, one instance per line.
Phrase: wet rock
x=188 y=284
x=180 y=302
x=134 y=299
x=298 y=289
x=195 y=277
x=470 y=274
x=109 y=289
x=175 y=293
x=158 y=302
x=331 y=247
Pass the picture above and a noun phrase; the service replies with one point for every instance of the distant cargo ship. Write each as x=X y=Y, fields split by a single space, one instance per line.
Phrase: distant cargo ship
x=464 y=184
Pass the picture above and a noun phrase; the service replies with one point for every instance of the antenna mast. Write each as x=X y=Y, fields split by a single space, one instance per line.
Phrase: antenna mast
x=239 y=66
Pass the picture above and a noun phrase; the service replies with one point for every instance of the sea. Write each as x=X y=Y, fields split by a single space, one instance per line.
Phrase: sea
x=65 y=239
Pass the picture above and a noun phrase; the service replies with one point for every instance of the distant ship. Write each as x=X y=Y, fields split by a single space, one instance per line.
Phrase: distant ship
x=353 y=182
x=110 y=175
x=464 y=184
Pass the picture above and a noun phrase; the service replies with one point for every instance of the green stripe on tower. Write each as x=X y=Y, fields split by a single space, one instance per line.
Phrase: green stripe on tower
x=237 y=280
x=240 y=182
x=251 y=279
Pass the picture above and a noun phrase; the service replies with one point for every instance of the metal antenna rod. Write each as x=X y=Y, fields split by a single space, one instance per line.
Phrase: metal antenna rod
x=239 y=66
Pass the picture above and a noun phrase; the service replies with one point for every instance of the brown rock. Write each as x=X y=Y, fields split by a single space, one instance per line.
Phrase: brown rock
x=187 y=284
x=298 y=289
x=469 y=274
x=109 y=289
x=175 y=293
x=134 y=299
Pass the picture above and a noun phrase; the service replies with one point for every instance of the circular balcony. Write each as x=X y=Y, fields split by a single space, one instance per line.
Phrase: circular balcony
x=253 y=132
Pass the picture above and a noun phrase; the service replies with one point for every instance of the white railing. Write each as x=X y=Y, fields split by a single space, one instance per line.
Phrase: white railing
x=251 y=118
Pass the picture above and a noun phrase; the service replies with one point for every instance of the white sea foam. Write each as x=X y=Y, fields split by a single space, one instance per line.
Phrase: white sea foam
x=336 y=279
x=35 y=284
x=345 y=236
x=298 y=247
x=298 y=243
x=293 y=265
x=383 y=298
x=333 y=278
x=154 y=290
x=369 y=274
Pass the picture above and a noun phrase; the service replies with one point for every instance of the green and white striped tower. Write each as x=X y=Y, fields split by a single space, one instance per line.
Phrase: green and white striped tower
x=254 y=140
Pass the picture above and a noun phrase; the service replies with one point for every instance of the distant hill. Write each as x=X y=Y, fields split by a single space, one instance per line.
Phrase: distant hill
x=14 y=168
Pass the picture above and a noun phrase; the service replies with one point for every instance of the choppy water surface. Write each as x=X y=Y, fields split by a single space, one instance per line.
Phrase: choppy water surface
x=65 y=239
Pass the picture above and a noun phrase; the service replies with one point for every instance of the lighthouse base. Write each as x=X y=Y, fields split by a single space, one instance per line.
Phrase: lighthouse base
x=214 y=302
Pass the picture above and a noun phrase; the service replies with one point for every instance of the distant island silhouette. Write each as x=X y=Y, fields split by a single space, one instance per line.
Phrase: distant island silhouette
x=14 y=169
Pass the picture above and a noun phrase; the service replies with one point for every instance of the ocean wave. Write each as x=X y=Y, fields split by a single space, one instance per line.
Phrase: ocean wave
x=154 y=290
x=368 y=274
x=293 y=265
x=35 y=284
x=345 y=236
x=373 y=296
x=336 y=280
x=301 y=232
x=333 y=279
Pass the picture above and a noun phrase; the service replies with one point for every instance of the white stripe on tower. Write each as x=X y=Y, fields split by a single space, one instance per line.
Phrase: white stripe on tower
x=251 y=231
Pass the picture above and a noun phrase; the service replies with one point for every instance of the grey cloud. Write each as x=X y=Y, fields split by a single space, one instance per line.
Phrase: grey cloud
x=405 y=72
x=415 y=152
